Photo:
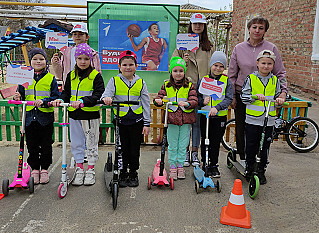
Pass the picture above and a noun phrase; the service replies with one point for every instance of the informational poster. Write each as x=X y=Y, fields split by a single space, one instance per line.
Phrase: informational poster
x=148 y=39
x=211 y=87
x=56 y=40
x=22 y=75
x=189 y=41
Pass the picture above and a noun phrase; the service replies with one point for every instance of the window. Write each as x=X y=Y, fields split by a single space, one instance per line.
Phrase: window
x=315 y=40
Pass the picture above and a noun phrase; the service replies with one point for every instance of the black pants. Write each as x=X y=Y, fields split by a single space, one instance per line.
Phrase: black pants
x=131 y=139
x=215 y=134
x=39 y=144
x=240 y=116
x=253 y=136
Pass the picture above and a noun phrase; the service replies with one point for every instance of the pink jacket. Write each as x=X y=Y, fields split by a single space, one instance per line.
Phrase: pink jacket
x=62 y=69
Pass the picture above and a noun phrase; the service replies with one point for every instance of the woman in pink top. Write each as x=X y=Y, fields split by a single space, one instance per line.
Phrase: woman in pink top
x=242 y=63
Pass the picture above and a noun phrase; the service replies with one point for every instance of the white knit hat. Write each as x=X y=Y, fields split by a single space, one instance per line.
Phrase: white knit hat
x=218 y=56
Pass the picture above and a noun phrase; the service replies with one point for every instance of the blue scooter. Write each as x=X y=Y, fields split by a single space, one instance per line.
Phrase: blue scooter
x=202 y=180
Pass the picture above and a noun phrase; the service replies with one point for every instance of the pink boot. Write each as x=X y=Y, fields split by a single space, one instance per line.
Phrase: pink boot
x=35 y=175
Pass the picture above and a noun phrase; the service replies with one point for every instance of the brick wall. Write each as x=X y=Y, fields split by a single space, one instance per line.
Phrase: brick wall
x=291 y=30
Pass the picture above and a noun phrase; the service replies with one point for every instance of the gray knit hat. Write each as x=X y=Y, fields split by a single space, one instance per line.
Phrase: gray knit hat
x=218 y=56
x=35 y=51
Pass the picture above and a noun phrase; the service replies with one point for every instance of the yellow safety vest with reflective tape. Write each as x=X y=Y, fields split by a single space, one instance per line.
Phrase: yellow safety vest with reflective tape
x=125 y=93
x=213 y=103
x=39 y=90
x=177 y=95
x=257 y=108
x=80 y=88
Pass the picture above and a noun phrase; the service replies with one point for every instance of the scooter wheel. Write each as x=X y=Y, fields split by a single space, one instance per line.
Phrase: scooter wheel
x=31 y=184
x=253 y=186
x=229 y=156
x=62 y=190
x=149 y=183
x=218 y=186
x=115 y=195
x=197 y=186
x=5 y=187
x=172 y=183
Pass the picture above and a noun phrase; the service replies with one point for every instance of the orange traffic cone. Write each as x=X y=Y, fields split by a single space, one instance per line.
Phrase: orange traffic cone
x=235 y=213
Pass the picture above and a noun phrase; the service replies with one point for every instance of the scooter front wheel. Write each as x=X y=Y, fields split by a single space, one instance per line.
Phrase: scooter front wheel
x=115 y=195
x=149 y=183
x=253 y=186
x=5 y=187
x=197 y=186
x=230 y=156
x=172 y=183
x=218 y=186
x=62 y=190
x=31 y=184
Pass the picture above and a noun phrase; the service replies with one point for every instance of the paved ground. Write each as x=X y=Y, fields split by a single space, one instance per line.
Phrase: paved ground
x=288 y=203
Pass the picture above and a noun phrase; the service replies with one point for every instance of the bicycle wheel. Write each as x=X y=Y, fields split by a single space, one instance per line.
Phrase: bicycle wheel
x=302 y=134
x=229 y=138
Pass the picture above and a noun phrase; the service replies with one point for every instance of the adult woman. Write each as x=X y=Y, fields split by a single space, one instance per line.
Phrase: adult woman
x=197 y=67
x=242 y=63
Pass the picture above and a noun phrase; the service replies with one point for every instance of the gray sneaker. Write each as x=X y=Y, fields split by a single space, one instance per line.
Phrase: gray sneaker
x=195 y=160
x=89 y=177
x=79 y=176
x=187 y=159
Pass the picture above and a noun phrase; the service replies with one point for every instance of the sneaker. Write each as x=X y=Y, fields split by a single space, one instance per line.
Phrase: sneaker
x=89 y=177
x=215 y=172
x=262 y=177
x=187 y=159
x=44 y=176
x=173 y=173
x=133 y=179
x=79 y=176
x=195 y=160
x=35 y=175
x=180 y=173
x=209 y=170
x=123 y=179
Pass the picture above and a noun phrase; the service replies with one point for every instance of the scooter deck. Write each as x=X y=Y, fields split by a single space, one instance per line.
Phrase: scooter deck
x=238 y=166
x=199 y=173
x=21 y=182
x=108 y=177
x=70 y=172
x=157 y=179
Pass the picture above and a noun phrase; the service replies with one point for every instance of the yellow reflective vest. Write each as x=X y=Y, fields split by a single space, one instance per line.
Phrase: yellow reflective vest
x=257 y=108
x=125 y=93
x=80 y=88
x=177 y=95
x=213 y=103
x=39 y=90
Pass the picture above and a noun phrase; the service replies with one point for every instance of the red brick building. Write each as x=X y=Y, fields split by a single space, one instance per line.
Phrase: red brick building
x=294 y=29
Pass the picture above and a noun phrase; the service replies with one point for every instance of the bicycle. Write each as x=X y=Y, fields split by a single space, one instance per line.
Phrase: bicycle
x=301 y=133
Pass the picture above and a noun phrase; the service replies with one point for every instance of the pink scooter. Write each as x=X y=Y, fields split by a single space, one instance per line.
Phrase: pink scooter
x=22 y=178
x=159 y=172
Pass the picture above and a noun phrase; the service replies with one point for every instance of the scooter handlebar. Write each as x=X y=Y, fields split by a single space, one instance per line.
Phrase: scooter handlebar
x=65 y=104
x=205 y=112
x=20 y=102
x=115 y=102
x=268 y=99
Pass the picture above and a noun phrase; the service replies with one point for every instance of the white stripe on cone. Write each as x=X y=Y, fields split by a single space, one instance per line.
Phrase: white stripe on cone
x=236 y=199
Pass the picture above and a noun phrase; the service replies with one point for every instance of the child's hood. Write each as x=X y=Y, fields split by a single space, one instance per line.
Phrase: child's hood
x=135 y=78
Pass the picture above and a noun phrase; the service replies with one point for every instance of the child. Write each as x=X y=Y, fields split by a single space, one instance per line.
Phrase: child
x=180 y=117
x=154 y=47
x=261 y=83
x=67 y=62
x=217 y=111
x=134 y=119
x=39 y=118
x=84 y=85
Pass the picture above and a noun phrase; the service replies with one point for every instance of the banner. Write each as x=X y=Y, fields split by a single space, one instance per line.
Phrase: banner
x=211 y=87
x=188 y=41
x=56 y=40
x=148 y=39
x=20 y=75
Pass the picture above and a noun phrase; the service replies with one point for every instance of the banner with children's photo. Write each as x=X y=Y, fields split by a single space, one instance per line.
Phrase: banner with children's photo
x=148 y=39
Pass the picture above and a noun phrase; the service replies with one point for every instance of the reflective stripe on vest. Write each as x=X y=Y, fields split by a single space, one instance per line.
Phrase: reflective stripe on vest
x=125 y=93
x=177 y=95
x=257 y=108
x=212 y=103
x=39 y=90
x=82 y=88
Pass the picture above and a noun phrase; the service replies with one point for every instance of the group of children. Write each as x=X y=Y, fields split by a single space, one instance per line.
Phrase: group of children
x=84 y=86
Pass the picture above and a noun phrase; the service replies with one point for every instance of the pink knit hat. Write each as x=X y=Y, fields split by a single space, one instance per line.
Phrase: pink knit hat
x=83 y=49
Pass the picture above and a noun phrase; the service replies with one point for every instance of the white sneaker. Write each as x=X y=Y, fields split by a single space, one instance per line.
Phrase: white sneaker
x=79 y=175
x=89 y=177
x=195 y=160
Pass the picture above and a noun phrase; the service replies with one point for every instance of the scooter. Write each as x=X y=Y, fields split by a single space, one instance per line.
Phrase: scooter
x=68 y=172
x=22 y=178
x=159 y=172
x=111 y=173
x=202 y=179
x=253 y=180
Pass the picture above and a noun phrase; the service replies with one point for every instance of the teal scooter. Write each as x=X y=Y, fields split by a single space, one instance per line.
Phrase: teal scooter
x=202 y=180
